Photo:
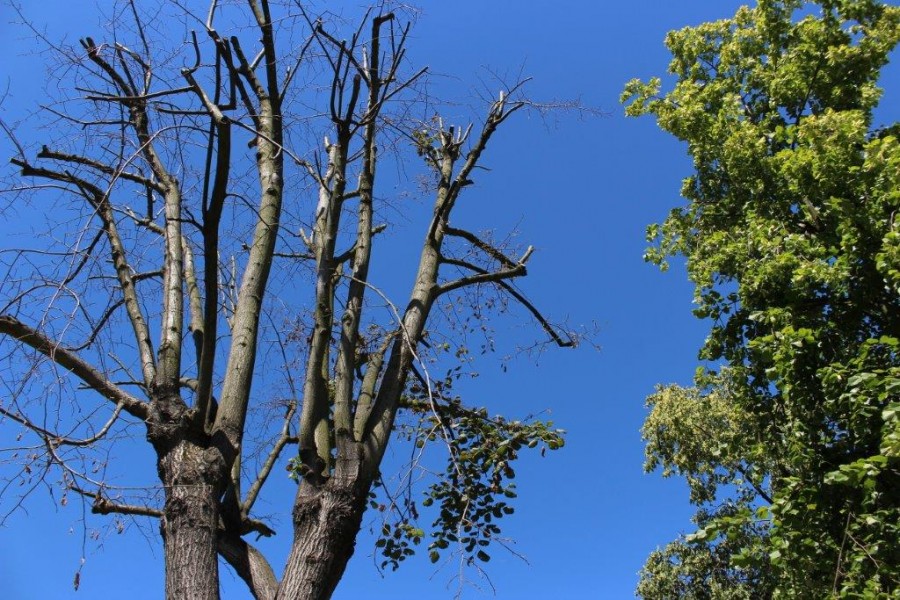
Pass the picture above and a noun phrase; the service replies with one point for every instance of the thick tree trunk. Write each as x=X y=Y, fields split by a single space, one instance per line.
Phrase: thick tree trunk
x=326 y=521
x=189 y=525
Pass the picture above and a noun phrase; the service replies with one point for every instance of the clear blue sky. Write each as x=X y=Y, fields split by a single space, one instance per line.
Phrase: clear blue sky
x=582 y=192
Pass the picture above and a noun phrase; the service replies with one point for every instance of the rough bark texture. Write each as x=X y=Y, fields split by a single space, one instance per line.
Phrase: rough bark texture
x=192 y=476
x=189 y=525
x=327 y=519
x=326 y=523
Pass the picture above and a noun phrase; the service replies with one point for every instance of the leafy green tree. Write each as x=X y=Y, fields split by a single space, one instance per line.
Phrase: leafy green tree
x=790 y=440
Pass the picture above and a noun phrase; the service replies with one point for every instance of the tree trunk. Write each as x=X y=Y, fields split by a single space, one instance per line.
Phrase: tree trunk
x=189 y=525
x=326 y=520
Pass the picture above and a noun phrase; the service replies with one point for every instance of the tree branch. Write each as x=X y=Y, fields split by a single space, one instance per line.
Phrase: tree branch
x=103 y=506
x=57 y=440
x=212 y=214
x=250 y=565
x=235 y=394
x=260 y=10
x=482 y=275
x=362 y=249
x=102 y=206
x=367 y=389
x=283 y=440
x=76 y=365
x=101 y=167
x=482 y=245
x=545 y=324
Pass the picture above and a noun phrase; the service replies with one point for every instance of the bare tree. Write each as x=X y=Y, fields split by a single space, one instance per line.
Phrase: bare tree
x=183 y=178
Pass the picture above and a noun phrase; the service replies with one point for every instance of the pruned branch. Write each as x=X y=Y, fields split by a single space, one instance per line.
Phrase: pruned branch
x=212 y=215
x=234 y=398
x=246 y=70
x=483 y=246
x=103 y=506
x=223 y=48
x=486 y=277
x=260 y=10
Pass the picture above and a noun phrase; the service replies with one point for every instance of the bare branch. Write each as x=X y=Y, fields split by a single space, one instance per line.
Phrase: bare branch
x=212 y=214
x=367 y=389
x=260 y=10
x=250 y=565
x=101 y=167
x=104 y=506
x=12 y=137
x=72 y=362
x=483 y=246
x=58 y=440
x=235 y=393
x=283 y=440
x=101 y=204
x=545 y=324
x=482 y=277
x=130 y=100
x=95 y=331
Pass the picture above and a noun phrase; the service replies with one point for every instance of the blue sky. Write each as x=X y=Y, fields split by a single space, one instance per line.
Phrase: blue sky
x=582 y=192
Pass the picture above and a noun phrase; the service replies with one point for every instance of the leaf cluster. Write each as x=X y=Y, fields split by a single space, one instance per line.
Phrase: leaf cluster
x=475 y=490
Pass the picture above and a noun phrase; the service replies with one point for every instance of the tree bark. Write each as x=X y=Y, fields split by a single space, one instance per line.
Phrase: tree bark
x=250 y=565
x=191 y=476
x=327 y=519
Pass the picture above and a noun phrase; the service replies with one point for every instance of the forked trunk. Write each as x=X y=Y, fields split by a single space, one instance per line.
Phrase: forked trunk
x=190 y=522
x=326 y=521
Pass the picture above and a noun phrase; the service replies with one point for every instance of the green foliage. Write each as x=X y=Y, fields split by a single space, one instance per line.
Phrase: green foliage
x=424 y=141
x=397 y=541
x=427 y=139
x=466 y=502
x=710 y=565
x=708 y=439
x=476 y=489
x=791 y=239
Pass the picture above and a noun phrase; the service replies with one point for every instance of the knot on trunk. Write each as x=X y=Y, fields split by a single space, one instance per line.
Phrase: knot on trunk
x=191 y=509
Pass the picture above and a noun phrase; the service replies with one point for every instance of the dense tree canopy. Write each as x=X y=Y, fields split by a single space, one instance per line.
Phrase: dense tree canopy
x=790 y=440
